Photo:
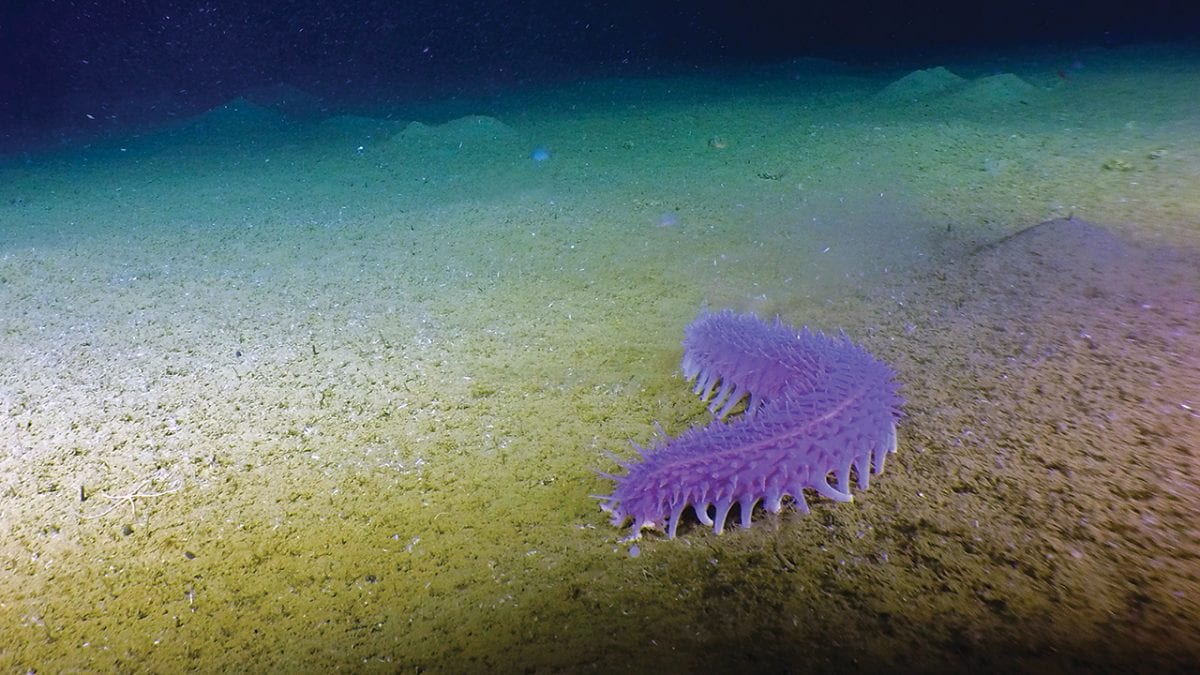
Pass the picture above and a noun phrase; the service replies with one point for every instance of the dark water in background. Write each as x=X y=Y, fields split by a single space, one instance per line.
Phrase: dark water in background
x=75 y=70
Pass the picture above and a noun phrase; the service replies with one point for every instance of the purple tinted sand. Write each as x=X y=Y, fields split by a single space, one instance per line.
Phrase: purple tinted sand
x=815 y=406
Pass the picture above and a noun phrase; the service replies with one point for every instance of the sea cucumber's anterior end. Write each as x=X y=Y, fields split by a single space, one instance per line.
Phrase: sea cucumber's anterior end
x=619 y=517
x=611 y=506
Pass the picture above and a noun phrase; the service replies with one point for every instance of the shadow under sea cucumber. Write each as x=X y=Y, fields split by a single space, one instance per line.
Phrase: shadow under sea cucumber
x=815 y=405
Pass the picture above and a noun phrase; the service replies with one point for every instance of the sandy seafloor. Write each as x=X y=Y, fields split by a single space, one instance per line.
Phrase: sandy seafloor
x=270 y=402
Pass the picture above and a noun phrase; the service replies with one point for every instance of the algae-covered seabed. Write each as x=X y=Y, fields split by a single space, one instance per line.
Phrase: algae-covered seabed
x=273 y=402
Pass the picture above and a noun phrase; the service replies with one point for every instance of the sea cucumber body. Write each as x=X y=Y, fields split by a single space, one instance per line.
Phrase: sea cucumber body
x=816 y=406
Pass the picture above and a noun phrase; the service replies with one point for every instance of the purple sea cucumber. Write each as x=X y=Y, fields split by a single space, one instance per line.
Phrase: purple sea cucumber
x=815 y=405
